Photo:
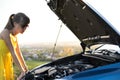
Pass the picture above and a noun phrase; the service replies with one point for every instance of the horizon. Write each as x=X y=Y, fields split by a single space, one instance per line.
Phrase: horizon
x=51 y=44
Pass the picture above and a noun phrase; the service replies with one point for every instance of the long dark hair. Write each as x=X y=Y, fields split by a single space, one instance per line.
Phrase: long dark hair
x=19 y=18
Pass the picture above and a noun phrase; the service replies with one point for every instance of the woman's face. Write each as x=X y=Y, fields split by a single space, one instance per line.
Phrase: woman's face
x=18 y=28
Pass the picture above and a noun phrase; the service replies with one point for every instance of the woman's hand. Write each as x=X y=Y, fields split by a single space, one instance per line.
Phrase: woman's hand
x=21 y=75
x=25 y=68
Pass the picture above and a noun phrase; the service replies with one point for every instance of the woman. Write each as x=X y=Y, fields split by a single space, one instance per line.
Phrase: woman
x=9 y=48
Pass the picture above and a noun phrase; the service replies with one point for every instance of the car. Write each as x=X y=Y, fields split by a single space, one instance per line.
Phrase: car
x=100 y=41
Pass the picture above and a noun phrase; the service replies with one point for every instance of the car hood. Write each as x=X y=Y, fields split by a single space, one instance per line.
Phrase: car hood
x=85 y=22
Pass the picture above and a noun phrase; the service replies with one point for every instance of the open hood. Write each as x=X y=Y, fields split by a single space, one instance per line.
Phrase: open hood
x=84 y=22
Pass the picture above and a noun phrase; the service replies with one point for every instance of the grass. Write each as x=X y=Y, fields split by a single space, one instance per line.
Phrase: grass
x=31 y=64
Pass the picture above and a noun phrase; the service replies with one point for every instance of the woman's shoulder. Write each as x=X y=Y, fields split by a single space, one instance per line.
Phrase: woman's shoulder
x=5 y=33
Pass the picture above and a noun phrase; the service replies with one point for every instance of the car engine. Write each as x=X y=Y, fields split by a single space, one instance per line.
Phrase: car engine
x=64 y=70
x=57 y=71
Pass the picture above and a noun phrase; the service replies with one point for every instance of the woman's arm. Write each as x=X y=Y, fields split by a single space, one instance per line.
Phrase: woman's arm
x=20 y=57
x=6 y=37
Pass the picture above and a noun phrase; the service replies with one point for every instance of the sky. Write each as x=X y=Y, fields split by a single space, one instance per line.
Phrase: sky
x=44 y=24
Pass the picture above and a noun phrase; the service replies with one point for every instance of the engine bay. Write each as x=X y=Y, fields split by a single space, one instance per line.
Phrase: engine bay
x=67 y=66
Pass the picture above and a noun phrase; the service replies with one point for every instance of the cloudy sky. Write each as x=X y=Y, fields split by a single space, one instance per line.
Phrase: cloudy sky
x=45 y=25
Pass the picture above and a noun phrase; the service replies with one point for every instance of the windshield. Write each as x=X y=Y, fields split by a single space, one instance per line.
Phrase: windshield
x=104 y=49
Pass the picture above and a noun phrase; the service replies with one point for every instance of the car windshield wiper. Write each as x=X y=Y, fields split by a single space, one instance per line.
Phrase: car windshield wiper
x=91 y=51
x=100 y=46
x=111 y=53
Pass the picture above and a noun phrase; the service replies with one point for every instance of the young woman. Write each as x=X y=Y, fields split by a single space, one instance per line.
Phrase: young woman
x=9 y=48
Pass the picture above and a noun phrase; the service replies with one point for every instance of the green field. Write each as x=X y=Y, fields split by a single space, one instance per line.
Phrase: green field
x=31 y=64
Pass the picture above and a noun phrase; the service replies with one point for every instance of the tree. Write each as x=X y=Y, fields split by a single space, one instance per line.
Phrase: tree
x=67 y=51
